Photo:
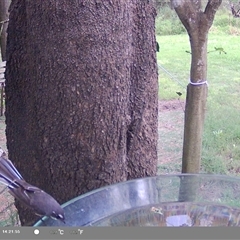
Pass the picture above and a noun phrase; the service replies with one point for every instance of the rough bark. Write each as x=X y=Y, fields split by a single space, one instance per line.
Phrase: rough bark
x=81 y=94
x=197 y=24
x=4 y=6
x=142 y=130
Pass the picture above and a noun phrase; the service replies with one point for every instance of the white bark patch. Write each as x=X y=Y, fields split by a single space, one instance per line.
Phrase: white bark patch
x=177 y=3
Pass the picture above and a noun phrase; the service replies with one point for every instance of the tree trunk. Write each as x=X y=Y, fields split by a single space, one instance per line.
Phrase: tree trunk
x=195 y=105
x=197 y=24
x=4 y=6
x=81 y=94
x=143 y=99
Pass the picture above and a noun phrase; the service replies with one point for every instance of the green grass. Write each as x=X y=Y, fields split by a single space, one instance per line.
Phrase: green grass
x=173 y=58
x=221 y=144
x=168 y=23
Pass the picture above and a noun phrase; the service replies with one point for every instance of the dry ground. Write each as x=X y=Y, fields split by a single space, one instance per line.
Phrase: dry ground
x=170 y=122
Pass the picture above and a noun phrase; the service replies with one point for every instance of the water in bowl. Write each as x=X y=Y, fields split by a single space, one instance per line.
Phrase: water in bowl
x=176 y=214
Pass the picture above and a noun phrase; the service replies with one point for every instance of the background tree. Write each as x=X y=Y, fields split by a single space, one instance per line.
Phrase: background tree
x=4 y=6
x=81 y=94
x=197 y=23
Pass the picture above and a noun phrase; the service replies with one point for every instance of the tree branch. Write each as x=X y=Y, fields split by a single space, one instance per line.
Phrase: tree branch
x=191 y=15
x=211 y=9
x=186 y=11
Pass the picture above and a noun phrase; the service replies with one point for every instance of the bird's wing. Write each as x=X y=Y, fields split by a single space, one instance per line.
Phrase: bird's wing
x=26 y=186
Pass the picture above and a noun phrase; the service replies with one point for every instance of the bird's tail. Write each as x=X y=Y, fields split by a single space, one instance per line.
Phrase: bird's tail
x=8 y=173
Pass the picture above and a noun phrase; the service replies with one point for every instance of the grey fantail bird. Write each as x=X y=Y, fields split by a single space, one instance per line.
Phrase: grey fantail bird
x=33 y=197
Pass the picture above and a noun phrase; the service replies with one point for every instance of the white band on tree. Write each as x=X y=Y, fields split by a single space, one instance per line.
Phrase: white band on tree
x=198 y=83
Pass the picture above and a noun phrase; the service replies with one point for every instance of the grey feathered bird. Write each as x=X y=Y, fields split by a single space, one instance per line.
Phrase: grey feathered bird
x=33 y=197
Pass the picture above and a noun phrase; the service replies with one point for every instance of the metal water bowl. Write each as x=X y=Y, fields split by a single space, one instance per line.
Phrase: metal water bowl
x=165 y=200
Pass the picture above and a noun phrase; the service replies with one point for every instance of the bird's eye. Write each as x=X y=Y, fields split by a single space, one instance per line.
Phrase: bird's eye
x=60 y=216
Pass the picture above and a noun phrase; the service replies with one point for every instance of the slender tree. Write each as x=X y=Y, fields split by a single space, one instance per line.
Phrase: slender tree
x=197 y=23
x=4 y=6
x=81 y=94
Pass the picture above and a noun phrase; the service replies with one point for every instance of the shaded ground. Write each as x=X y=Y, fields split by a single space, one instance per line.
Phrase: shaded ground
x=8 y=215
x=2 y=134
